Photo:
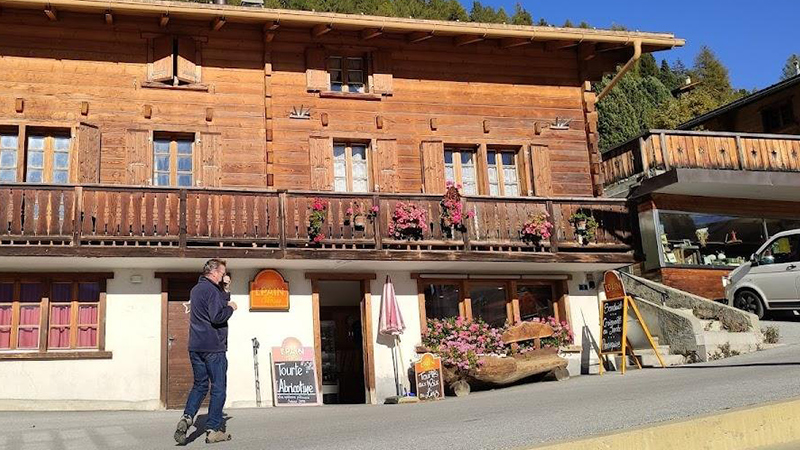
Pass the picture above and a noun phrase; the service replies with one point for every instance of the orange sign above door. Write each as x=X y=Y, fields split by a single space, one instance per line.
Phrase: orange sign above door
x=269 y=292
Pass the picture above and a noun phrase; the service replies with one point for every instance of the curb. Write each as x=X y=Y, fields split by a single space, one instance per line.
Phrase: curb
x=738 y=429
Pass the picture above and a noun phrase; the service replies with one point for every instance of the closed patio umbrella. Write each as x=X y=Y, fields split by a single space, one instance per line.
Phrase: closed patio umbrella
x=391 y=324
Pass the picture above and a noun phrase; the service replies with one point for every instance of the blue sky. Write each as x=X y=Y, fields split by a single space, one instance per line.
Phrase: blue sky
x=752 y=38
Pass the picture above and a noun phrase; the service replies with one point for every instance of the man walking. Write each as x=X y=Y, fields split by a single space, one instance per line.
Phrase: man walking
x=208 y=342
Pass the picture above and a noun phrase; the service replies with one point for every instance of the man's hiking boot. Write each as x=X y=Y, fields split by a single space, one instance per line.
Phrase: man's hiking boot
x=182 y=428
x=213 y=436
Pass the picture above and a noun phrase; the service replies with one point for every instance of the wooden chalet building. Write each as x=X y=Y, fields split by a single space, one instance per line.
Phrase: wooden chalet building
x=138 y=139
x=711 y=192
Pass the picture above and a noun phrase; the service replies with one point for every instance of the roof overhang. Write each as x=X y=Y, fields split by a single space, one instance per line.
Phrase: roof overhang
x=236 y=14
x=780 y=186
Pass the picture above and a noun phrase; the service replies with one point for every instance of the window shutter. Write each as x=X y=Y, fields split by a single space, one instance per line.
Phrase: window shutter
x=162 y=59
x=209 y=148
x=317 y=77
x=386 y=165
x=187 y=60
x=137 y=149
x=321 y=156
x=540 y=165
x=88 y=154
x=433 y=167
x=382 y=72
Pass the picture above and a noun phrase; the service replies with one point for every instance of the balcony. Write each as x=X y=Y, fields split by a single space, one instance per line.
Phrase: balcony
x=659 y=151
x=135 y=221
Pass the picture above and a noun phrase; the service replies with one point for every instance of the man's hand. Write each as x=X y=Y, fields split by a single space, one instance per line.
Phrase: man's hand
x=232 y=304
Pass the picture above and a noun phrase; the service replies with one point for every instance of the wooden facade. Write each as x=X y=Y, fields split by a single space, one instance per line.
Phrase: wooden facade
x=204 y=98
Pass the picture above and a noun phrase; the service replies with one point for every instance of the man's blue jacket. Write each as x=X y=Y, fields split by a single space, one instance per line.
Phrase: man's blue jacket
x=208 y=330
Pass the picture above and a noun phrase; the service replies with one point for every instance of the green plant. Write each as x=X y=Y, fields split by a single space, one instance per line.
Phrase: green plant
x=585 y=225
x=316 y=220
x=771 y=334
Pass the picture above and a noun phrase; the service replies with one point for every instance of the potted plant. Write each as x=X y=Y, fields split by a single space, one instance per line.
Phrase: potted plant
x=452 y=216
x=316 y=220
x=408 y=222
x=585 y=226
x=355 y=215
x=537 y=228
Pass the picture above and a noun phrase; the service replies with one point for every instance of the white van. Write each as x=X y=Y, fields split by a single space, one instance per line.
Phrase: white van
x=771 y=280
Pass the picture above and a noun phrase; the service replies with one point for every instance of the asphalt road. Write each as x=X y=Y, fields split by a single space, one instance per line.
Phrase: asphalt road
x=502 y=419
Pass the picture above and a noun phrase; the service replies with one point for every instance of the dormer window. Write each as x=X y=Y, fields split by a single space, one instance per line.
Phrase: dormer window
x=174 y=61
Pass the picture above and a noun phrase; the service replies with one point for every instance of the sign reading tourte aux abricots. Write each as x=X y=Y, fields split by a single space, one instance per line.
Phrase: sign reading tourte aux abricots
x=269 y=292
x=428 y=375
x=294 y=375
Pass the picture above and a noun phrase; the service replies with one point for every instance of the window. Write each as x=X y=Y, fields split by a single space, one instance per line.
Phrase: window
x=488 y=302
x=535 y=301
x=782 y=250
x=47 y=156
x=8 y=156
x=347 y=74
x=42 y=315
x=460 y=169
x=777 y=117
x=442 y=301
x=502 y=173
x=350 y=167
x=173 y=163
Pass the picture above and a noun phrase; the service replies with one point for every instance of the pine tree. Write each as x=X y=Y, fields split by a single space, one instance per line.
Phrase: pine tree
x=501 y=16
x=713 y=75
x=584 y=24
x=521 y=16
x=791 y=68
x=568 y=24
x=667 y=76
x=542 y=23
x=647 y=66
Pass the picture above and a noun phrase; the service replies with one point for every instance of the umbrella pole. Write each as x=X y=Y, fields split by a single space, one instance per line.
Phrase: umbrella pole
x=396 y=378
x=402 y=385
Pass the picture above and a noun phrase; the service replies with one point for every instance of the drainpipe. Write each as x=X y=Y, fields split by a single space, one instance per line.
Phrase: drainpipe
x=637 y=53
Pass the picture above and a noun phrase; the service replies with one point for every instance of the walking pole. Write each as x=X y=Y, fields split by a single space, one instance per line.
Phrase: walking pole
x=255 y=367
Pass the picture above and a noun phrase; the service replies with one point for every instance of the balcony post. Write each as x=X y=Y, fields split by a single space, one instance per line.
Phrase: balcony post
x=282 y=219
x=376 y=201
x=465 y=234
x=643 y=165
x=665 y=151
x=556 y=224
x=740 y=151
x=182 y=220
x=77 y=216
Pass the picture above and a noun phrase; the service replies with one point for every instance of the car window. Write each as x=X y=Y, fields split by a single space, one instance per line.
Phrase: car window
x=785 y=249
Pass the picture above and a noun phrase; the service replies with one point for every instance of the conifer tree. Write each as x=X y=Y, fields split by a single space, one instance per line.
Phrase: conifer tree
x=521 y=16
x=791 y=68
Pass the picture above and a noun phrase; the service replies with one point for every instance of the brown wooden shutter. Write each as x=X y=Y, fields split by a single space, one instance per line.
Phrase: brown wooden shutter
x=382 y=82
x=317 y=77
x=88 y=154
x=540 y=165
x=162 y=59
x=209 y=150
x=321 y=156
x=187 y=60
x=139 y=157
x=386 y=165
x=433 y=167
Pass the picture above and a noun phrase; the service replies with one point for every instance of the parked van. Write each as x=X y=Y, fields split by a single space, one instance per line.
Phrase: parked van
x=771 y=280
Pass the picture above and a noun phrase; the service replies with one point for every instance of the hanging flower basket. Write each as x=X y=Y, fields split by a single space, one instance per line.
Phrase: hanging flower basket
x=408 y=222
x=316 y=220
x=585 y=227
x=536 y=229
x=452 y=217
x=355 y=216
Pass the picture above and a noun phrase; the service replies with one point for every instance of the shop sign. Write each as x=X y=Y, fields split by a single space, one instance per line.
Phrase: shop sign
x=613 y=285
x=269 y=292
x=294 y=375
x=428 y=375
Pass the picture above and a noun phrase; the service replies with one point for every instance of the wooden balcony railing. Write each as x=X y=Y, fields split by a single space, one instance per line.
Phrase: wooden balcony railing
x=99 y=220
x=662 y=150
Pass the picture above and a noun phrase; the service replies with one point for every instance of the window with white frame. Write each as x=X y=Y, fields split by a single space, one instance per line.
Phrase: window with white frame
x=173 y=163
x=347 y=73
x=47 y=156
x=350 y=167
x=460 y=168
x=8 y=156
x=503 y=173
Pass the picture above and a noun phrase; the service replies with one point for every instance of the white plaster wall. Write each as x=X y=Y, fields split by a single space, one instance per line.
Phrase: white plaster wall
x=130 y=380
x=584 y=306
x=270 y=328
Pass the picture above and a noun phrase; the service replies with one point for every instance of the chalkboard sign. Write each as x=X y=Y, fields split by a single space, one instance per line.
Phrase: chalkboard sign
x=428 y=375
x=294 y=375
x=613 y=317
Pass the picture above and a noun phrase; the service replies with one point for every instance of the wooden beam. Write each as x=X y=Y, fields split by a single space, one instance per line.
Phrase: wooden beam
x=607 y=47
x=587 y=51
x=321 y=29
x=559 y=45
x=50 y=12
x=514 y=42
x=164 y=20
x=418 y=36
x=109 y=17
x=369 y=33
x=467 y=39
x=218 y=23
x=272 y=25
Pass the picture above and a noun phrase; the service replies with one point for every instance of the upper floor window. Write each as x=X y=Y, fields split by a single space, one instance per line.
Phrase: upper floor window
x=777 y=117
x=175 y=61
x=350 y=167
x=173 y=163
x=503 y=174
x=47 y=156
x=347 y=73
x=8 y=156
x=460 y=168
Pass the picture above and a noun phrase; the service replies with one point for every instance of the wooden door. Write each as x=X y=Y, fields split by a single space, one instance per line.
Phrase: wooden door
x=179 y=369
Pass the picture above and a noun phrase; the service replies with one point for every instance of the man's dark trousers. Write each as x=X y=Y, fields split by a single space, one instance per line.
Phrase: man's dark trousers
x=213 y=367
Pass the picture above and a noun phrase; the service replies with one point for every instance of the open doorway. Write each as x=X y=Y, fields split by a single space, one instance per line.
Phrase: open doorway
x=342 y=342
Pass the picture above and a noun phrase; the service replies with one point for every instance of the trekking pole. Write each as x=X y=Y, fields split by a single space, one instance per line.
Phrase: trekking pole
x=255 y=367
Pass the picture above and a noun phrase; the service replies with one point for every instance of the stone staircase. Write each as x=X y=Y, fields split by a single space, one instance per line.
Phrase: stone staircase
x=647 y=357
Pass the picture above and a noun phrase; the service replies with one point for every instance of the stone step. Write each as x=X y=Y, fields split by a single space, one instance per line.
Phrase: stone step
x=711 y=325
x=650 y=360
